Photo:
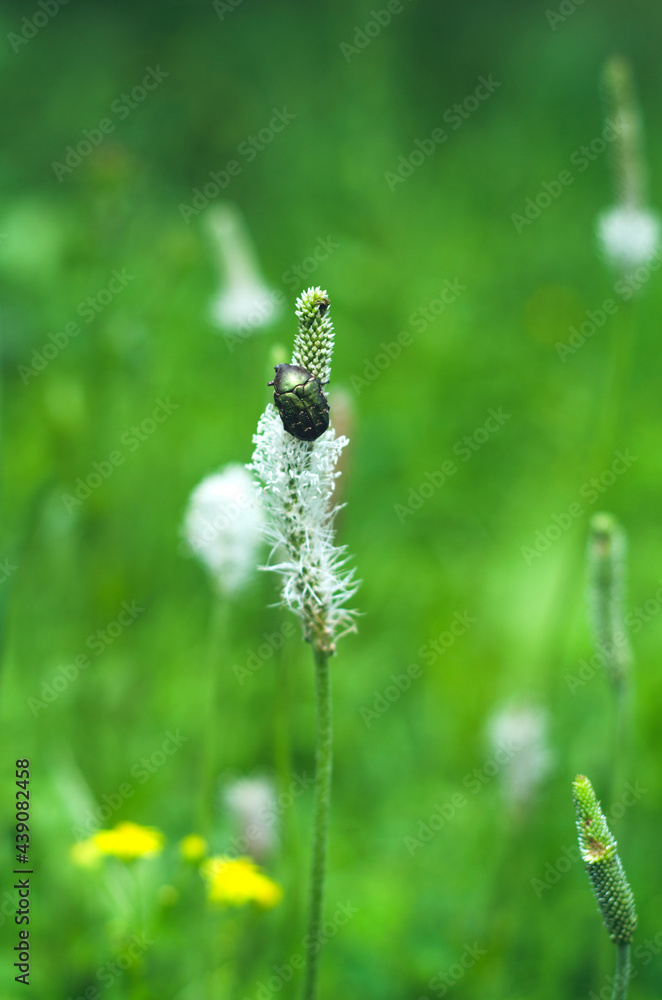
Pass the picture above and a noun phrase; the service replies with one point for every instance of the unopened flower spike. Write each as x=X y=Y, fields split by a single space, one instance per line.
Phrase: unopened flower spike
x=615 y=900
x=629 y=232
x=603 y=865
x=606 y=566
x=313 y=344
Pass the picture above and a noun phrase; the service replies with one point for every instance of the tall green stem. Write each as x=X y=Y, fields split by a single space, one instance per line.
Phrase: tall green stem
x=620 y=739
x=323 y=764
x=614 y=415
x=622 y=977
x=213 y=730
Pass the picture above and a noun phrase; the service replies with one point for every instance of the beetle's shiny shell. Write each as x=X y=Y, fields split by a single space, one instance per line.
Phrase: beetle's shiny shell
x=302 y=405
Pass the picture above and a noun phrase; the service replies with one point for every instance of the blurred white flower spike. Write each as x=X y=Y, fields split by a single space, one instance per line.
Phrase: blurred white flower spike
x=629 y=236
x=518 y=736
x=629 y=232
x=244 y=303
x=252 y=802
x=223 y=527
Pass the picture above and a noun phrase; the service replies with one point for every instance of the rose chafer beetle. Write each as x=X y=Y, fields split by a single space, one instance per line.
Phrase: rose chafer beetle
x=302 y=405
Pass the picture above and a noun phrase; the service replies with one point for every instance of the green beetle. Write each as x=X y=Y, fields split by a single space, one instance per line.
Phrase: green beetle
x=302 y=405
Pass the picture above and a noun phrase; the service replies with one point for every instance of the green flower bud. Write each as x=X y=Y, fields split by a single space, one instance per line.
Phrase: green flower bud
x=603 y=865
x=313 y=344
x=627 y=152
x=606 y=591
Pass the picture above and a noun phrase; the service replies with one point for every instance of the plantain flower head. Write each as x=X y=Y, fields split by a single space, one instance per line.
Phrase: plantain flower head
x=222 y=527
x=244 y=303
x=629 y=232
x=603 y=865
x=629 y=236
x=252 y=803
x=296 y=482
x=606 y=570
x=519 y=730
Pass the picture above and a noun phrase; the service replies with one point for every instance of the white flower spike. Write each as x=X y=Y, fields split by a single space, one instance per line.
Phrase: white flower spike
x=629 y=233
x=296 y=480
x=244 y=303
x=252 y=802
x=223 y=527
x=518 y=732
x=629 y=236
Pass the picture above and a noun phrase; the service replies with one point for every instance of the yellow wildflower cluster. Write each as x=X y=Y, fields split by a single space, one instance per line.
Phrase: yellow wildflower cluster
x=230 y=881
x=127 y=841
x=237 y=881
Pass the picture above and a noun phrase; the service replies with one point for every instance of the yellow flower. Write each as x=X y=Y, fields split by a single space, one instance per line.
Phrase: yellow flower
x=86 y=854
x=237 y=881
x=193 y=848
x=128 y=841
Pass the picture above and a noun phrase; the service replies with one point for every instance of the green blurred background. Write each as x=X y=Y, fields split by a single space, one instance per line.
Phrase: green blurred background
x=67 y=572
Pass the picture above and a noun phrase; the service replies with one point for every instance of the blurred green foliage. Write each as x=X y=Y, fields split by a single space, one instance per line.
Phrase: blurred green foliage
x=323 y=177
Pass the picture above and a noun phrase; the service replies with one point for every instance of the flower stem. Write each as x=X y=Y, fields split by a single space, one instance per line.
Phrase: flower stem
x=620 y=739
x=323 y=764
x=614 y=418
x=622 y=977
x=213 y=732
